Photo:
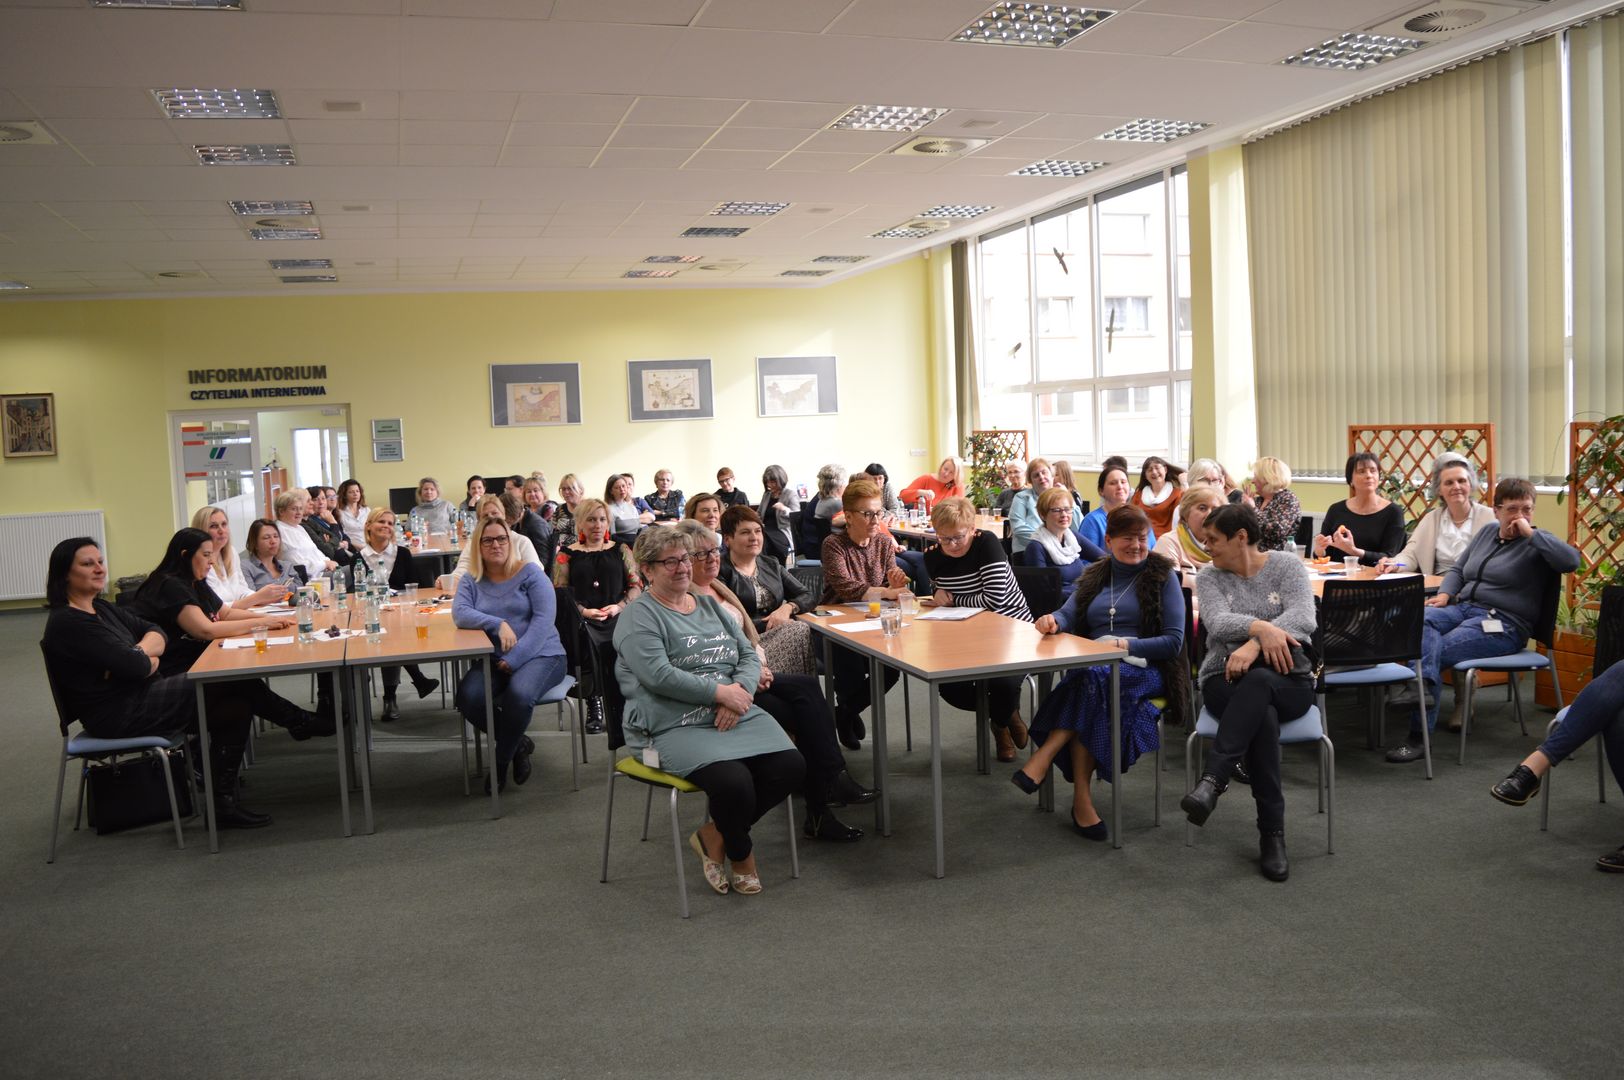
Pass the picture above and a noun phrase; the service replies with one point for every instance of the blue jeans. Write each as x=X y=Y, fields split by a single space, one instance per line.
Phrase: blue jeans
x=1455 y=633
x=1598 y=710
x=914 y=563
x=516 y=696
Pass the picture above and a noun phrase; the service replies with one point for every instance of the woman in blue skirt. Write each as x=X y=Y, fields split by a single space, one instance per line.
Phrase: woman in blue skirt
x=1132 y=600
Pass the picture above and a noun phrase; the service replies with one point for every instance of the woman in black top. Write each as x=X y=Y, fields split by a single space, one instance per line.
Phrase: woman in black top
x=382 y=554
x=600 y=574
x=322 y=523
x=968 y=568
x=105 y=661
x=1364 y=524
x=769 y=594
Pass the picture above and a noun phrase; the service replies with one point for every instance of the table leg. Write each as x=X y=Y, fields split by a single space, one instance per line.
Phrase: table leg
x=936 y=779
x=490 y=733
x=983 y=730
x=1116 y=754
x=1046 y=792
x=828 y=671
x=208 y=770
x=882 y=755
x=363 y=724
x=343 y=741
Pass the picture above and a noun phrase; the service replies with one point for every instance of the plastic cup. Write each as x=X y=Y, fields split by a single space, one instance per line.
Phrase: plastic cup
x=262 y=638
x=420 y=620
x=410 y=592
x=891 y=623
x=873 y=609
x=908 y=605
x=1350 y=564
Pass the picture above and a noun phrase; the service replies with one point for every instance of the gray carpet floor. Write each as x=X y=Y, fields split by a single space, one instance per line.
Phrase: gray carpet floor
x=1446 y=937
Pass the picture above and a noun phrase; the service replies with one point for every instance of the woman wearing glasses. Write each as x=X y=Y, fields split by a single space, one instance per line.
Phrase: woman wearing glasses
x=1055 y=544
x=600 y=574
x=859 y=564
x=968 y=568
x=512 y=602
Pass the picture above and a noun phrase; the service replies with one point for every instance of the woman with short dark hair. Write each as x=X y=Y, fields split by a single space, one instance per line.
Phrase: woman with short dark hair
x=769 y=594
x=1365 y=525
x=778 y=502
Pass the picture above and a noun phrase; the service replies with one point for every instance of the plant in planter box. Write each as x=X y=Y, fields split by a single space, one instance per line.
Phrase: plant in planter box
x=1595 y=485
x=987 y=451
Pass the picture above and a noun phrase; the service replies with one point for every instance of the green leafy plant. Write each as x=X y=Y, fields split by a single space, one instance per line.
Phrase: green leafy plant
x=1598 y=474
x=987 y=451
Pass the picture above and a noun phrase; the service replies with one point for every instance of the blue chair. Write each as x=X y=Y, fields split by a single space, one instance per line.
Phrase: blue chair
x=1515 y=663
x=87 y=749
x=1369 y=635
x=1609 y=651
x=1307 y=728
x=555 y=696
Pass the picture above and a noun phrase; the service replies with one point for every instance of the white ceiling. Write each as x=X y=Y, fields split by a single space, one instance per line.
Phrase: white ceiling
x=532 y=144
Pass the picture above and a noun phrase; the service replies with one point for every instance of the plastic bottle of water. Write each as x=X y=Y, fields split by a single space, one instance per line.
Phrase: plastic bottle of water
x=307 y=617
x=341 y=597
x=373 y=619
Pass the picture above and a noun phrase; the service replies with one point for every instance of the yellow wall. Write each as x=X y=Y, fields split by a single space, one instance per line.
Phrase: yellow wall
x=118 y=366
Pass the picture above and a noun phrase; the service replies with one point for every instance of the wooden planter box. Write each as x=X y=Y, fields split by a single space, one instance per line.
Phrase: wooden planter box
x=1575 y=656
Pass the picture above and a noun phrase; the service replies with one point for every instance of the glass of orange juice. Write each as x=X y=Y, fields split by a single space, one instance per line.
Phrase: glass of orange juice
x=420 y=619
x=262 y=638
x=874 y=609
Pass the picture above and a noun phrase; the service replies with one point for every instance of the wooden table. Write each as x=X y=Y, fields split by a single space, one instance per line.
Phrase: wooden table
x=1364 y=573
x=986 y=645
x=219 y=664
x=401 y=645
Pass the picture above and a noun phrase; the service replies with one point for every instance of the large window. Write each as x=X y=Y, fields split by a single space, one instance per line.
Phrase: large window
x=1108 y=372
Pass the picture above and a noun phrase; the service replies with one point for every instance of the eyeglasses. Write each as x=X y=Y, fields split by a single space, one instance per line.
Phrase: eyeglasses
x=1060 y=510
x=869 y=515
x=707 y=554
x=672 y=565
x=954 y=540
x=493 y=541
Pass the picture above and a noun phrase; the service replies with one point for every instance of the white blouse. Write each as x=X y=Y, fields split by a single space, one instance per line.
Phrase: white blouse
x=232 y=587
x=355 y=526
x=381 y=561
x=300 y=550
x=1452 y=541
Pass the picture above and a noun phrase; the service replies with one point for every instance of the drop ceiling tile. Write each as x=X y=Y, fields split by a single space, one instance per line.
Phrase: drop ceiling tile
x=482 y=9
x=369 y=132
x=188 y=132
x=342 y=154
x=453 y=132
x=32 y=156
x=465 y=156
x=489 y=262
x=121 y=132
x=580 y=232
x=801 y=161
x=1214 y=9
x=1350 y=13
x=982 y=123
x=487 y=232
x=891 y=163
x=89 y=211
x=660 y=135
x=1020 y=146
x=99 y=103
x=179 y=209
x=548 y=157
x=976 y=165
x=517 y=206
x=791 y=114
x=1258 y=43
x=788 y=16
x=749 y=138
x=457 y=105
x=312 y=104
x=1146 y=35
x=677 y=110
x=459 y=221
x=129 y=236
x=851 y=142
x=529 y=133
x=648 y=12
x=937 y=20
x=724 y=160
x=213 y=265
x=432 y=233
x=1069 y=126
x=511 y=221
x=573 y=108
x=329 y=7
x=438 y=206
x=220 y=236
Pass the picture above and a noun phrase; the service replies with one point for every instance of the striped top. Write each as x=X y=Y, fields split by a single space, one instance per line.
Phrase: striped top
x=981 y=577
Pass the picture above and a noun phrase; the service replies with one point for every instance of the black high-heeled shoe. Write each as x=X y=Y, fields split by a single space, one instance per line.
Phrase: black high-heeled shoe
x=1024 y=782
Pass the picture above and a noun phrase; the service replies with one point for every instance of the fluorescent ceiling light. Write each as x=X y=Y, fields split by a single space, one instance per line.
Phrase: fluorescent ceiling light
x=805 y=273
x=710 y=231
x=1354 y=52
x=1042 y=25
x=301 y=264
x=1153 y=131
x=308 y=279
x=271 y=207
x=954 y=211
x=202 y=5
x=840 y=258
x=748 y=209
x=218 y=104
x=285 y=234
x=887 y=118
x=649 y=273
x=1049 y=167
x=246 y=154
x=13 y=285
x=673 y=258
x=902 y=232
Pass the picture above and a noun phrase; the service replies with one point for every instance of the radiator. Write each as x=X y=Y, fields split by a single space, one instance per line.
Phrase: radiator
x=26 y=541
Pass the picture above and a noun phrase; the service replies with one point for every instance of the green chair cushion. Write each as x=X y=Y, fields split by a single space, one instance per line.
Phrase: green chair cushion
x=634 y=768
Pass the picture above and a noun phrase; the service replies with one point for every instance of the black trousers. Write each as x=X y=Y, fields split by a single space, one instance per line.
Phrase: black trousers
x=798 y=704
x=851 y=680
x=743 y=790
x=168 y=703
x=1250 y=712
x=600 y=638
x=1003 y=697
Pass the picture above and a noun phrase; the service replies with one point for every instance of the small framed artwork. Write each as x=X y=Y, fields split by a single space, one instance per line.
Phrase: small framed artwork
x=28 y=425
x=796 y=386
x=670 y=389
x=535 y=395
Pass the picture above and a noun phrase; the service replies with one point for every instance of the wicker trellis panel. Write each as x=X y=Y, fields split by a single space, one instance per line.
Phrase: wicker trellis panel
x=1594 y=498
x=1407 y=451
x=986 y=452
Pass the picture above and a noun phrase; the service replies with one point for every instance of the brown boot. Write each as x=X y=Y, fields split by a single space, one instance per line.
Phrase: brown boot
x=1006 y=745
x=1017 y=730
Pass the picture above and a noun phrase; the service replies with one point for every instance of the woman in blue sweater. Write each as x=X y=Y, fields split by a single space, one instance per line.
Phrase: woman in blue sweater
x=512 y=601
x=1133 y=601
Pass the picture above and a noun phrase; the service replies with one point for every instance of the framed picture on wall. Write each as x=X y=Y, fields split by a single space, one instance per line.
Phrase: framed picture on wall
x=670 y=389
x=535 y=395
x=28 y=425
x=796 y=386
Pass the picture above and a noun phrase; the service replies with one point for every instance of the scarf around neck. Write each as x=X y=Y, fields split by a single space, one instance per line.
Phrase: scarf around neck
x=1062 y=550
x=1192 y=548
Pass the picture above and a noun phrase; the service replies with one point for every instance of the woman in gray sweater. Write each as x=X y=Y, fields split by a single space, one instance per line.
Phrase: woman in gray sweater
x=1258 y=610
x=689 y=675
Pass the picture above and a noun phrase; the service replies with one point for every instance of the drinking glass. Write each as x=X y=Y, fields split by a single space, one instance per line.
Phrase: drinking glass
x=891 y=622
x=262 y=638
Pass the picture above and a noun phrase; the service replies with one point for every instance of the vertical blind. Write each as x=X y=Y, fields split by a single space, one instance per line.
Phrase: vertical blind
x=1407 y=264
x=1596 y=56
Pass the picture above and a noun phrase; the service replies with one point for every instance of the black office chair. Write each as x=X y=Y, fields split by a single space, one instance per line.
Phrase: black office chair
x=572 y=632
x=1369 y=635
x=1304 y=536
x=1609 y=651
x=1042 y=587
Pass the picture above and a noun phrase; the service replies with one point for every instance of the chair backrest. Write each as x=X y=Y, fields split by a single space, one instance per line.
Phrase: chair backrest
x=64 y=718
x=1042 y=588
x=1305 y=532
x=1195 y=639
x=1545 y=624
x=567 y=620
x=1372 y=622
x=1609 y=630
x=814 y=530
x=812 y=578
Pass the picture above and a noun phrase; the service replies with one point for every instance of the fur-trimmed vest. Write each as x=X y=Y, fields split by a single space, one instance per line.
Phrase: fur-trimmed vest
x=1148 y=590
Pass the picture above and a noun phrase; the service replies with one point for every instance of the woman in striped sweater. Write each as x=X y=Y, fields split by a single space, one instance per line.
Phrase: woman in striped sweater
x=968 y=569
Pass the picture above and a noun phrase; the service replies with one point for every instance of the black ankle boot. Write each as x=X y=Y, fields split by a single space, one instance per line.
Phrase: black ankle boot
x=594 y=716
x=425 y=686
x=391 y=708
x=1199 y=804
x=229 y=812
x=1272 y=855
x=303 y=724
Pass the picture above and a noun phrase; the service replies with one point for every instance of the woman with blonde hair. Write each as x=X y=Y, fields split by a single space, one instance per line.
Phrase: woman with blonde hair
x=393 y=561
x=435 y=511
x=1185 y=543
x=1057 y=544
x=601 y=576
x=226 y=576
x=570 y=491
x=1278 y=511
x=1024 y=521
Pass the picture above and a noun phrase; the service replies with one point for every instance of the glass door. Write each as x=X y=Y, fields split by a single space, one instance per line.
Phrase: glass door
x=215 y=458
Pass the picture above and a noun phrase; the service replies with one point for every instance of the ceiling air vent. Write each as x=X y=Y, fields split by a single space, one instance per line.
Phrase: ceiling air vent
x=1443 y=20
x=934 y=146
x=13 y=132
x=1450 y=18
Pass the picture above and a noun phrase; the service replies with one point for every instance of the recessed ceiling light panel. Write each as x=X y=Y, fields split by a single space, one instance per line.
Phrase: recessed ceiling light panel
x=1050 y=26
x=673 y=258
x=713 y=231
x=1154 y=131
x=246 y=154
x=1058 y=168
x=218 y=104
x=954 y=211
x=748 y=209
x=13 y=285
x=1354 y=52
x=887 y=118
x=271 y=207
x=805 y=273
x=840 y=258
x=903 y=232
x=202 y=5
x=301 y=264
x=308 y=279
x=649 y=273
x=285 y=234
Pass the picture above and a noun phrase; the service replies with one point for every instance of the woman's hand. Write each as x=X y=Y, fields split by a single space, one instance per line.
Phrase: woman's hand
x=897 y=578
x=331 y=566
x=1343 y=538
x=1321 y=542
x=1047 y=624
x=281 y=622
x=766 y=680
x=504 y=667
x=733 y=696
x=1438 y=600
x=506 y=637
x=1275 y=644
x=595 y=614
x=153 y=670
x=781 y=615
x=1241 y=660
x=268 y=594
x=645 y=518
x=726 y=718
x=942 y=598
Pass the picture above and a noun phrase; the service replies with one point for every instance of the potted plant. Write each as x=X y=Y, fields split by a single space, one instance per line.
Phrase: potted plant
x=987 y=451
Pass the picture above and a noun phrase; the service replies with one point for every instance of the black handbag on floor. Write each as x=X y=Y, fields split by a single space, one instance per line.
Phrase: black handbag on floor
x=129 y=793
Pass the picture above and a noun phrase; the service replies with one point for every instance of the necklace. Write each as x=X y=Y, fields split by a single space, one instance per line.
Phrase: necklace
x=1111 y=611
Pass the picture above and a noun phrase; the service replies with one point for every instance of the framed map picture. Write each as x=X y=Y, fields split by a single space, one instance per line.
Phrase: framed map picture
x=535 y=395
x=28 y=425
x=796 y=386
x=670 y=389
